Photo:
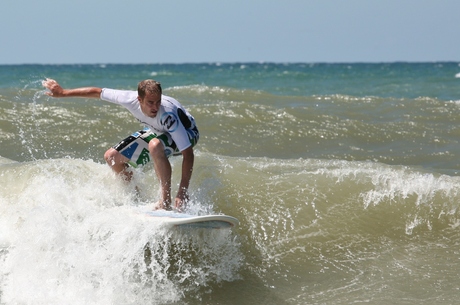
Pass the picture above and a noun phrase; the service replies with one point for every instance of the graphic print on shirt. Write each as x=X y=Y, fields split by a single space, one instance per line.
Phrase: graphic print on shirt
x=170 y=121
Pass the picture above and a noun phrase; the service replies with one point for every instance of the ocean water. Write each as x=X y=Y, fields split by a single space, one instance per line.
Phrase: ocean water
x=345 y=179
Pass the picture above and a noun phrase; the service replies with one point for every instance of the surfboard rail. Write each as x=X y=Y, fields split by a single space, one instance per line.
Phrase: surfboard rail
x=193 y=221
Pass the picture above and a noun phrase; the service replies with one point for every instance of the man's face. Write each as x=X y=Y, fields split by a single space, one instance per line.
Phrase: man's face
x=150 y=104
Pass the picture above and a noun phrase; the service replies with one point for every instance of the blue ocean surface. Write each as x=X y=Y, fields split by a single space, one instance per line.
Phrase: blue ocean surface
x=344 y=179
x=397 y=80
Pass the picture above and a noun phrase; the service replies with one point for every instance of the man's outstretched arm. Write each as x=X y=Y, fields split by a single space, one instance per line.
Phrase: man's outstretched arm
x=55 y=90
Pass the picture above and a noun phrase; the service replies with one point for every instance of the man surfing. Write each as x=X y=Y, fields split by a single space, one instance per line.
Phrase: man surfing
x=170 y=130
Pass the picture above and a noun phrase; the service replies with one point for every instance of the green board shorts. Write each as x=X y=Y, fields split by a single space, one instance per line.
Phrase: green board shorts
x=136 y=146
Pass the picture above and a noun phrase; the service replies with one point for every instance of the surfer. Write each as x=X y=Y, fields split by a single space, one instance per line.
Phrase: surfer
x=170 y=130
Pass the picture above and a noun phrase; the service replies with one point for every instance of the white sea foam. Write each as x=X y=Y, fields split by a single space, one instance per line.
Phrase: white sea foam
x=70 y=234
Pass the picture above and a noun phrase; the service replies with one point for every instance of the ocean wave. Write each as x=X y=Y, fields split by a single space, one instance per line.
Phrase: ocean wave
x=71 y=226
x=63 y=210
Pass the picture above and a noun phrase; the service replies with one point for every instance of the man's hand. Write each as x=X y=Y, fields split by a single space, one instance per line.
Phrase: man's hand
x=55 y=90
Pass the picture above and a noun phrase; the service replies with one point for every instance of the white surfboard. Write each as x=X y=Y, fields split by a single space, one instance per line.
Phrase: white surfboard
x=192 y=221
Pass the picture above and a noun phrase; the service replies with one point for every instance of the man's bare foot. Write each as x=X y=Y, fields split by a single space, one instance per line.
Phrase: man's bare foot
x=162 y=206
x=179 y=206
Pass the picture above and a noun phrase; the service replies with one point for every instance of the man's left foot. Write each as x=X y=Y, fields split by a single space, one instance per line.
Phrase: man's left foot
x=160 y=206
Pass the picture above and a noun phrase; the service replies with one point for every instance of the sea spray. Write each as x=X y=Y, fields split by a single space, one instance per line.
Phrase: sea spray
x=72 y=233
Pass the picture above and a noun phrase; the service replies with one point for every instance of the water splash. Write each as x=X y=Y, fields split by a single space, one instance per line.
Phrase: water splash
x=70 y=234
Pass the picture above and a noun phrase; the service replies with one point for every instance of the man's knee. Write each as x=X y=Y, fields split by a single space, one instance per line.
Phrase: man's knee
x=108 y=155
x=156 y=147
x=113 y=157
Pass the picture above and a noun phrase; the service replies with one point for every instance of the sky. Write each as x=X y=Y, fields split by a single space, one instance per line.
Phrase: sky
x=184 y=31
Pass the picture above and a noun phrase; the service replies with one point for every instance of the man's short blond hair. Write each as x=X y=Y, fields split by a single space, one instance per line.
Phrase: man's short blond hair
x=149 y=86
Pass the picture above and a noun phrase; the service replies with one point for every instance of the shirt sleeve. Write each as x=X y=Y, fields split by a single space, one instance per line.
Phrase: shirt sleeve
x=118 y=96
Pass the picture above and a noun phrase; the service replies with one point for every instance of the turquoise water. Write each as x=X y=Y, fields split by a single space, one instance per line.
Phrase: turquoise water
x=344 y=178
x=398 y=80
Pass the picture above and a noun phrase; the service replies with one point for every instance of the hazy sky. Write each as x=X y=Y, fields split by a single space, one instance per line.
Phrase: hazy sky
x=180 y=31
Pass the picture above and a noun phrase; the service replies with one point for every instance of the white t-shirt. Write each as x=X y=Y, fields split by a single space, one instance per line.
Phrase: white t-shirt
x=172 y=118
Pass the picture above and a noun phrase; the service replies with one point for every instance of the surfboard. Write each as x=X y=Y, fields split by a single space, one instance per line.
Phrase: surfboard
x=175 y=219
